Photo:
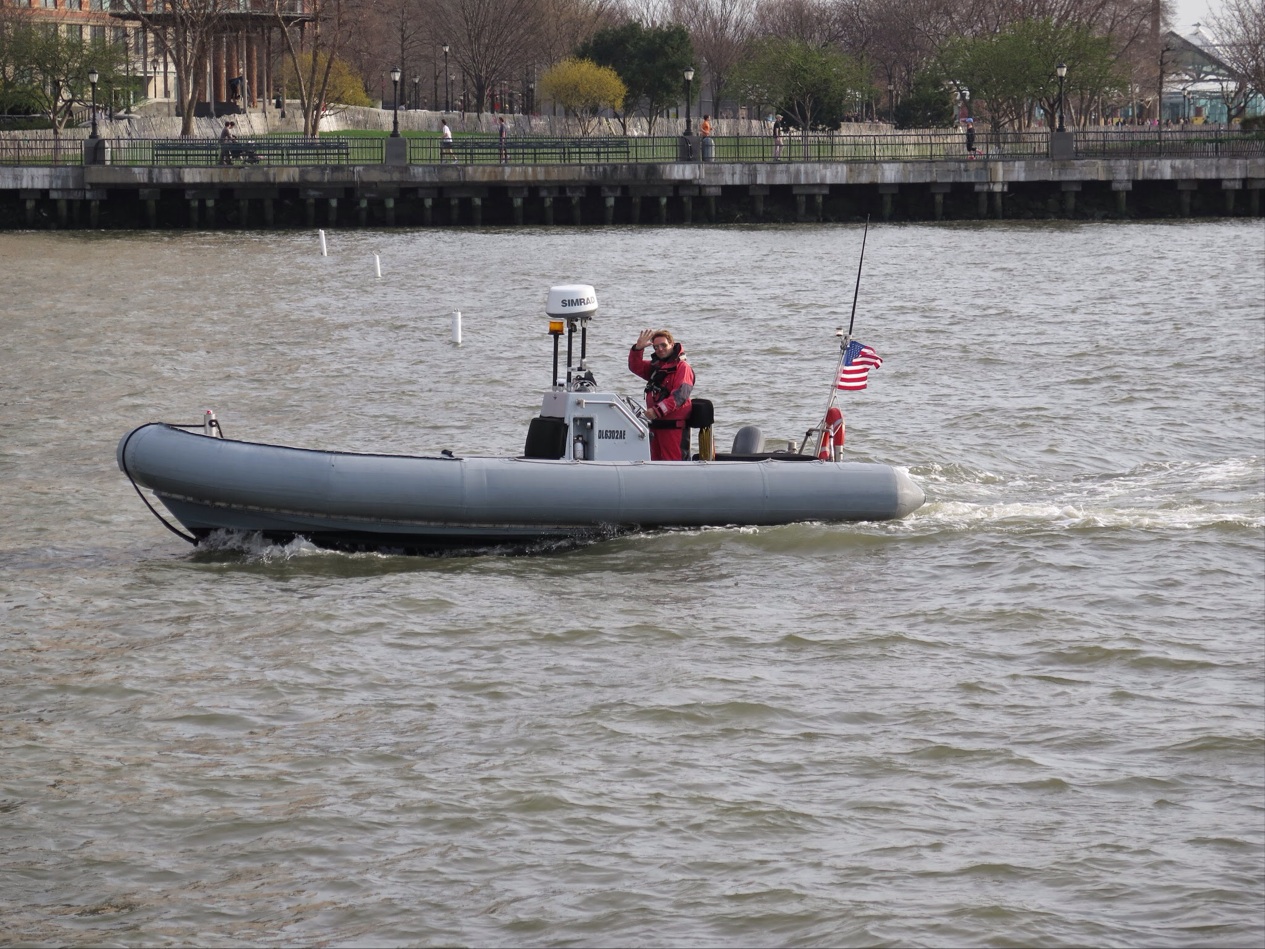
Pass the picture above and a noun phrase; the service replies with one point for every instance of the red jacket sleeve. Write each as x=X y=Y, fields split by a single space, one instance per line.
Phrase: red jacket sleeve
x=639 y=364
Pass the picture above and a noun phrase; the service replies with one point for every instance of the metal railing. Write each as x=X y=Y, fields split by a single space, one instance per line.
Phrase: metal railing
x=262 y=150
x=41 y=151
x=817 y=147
x=1182 y=142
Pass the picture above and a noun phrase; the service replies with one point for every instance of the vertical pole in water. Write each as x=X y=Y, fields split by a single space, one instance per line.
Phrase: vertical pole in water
x=377 y=265
x=324 y=249
x=456 y=327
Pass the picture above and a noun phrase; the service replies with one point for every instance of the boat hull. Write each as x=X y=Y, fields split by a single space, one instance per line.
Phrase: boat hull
x=418 y=504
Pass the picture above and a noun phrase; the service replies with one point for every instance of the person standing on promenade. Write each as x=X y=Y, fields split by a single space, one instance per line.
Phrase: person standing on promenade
x=669 y=382
x=501 y=132
x=445 y=142
x=970 y=138
x=226 y=143
x=778 y=131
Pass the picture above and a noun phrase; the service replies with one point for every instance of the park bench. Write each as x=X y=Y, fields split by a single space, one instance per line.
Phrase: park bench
x=329 y=151
x=531 y=150
x=302 y=151
x=186 y=153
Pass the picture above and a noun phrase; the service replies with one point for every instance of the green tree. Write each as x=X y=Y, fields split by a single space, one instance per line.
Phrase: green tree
x=45 y=72
x=14 y=98
x=811 y=85
x=344 y=86
x=1009 y=72
x=583 y=89
x=650 y=61
x=927 y=104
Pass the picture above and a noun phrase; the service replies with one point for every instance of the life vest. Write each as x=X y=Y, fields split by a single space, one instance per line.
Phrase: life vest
x=663 y=368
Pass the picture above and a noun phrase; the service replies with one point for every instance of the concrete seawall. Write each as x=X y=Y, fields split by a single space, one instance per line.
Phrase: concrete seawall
x=107 y=196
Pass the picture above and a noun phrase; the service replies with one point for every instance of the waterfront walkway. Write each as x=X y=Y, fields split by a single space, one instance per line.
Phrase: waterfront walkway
x=352 y=181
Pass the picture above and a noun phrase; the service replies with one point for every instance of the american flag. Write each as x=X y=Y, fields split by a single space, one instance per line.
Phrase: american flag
x=858 y=360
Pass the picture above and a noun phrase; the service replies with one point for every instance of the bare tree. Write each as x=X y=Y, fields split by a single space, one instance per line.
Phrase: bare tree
x=370 y=45
x=814 y=22
x=569 y=23
x=889 y=35
x=1241 y=30
x=406 y=27
x=313 y=42
x=720 y=32
x=651 y=13
x=184 y=30
x=488 y=39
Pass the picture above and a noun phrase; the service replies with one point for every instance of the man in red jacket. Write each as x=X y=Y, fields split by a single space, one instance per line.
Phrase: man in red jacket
x=669 y=382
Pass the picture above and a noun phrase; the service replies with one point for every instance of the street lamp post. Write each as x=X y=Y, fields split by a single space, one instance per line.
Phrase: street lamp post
x=93 y=76
x=1159 y=93
x=417 y=83
x=395 y=102
x=447 y=83
x=531 y=98
x=1061 y=69
x=891 y=103
x=689 y=81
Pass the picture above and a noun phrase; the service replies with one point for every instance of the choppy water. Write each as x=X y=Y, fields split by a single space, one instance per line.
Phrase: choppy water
x=1033 y=713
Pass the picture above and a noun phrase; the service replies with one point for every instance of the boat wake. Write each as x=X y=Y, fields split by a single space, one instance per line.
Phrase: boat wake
x=1184 y=495
x=252 y=547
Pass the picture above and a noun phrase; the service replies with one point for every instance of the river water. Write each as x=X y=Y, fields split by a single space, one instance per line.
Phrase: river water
x=1031 y=713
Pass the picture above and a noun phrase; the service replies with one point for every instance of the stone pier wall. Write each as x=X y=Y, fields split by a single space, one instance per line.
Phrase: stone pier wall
x=105 y=196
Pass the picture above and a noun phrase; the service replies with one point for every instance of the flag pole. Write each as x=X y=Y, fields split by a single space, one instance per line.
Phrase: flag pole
x=815 y=433
x=857 y=291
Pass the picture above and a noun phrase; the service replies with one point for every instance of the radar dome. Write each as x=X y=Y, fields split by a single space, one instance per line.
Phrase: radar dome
x=572 y=299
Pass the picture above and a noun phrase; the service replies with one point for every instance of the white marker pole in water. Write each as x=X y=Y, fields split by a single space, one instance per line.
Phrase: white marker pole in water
x=324 y=249
x=377 y=264
x=456 y=327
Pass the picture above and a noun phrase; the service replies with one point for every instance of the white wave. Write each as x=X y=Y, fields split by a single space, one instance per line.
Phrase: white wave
x=255 y=547
x=1073 y=514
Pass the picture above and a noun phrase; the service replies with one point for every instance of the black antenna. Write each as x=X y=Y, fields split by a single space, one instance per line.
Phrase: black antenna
x=857 y=291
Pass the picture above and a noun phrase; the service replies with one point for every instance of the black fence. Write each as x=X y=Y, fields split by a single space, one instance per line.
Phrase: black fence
x=1169 y=143
x=816 y=147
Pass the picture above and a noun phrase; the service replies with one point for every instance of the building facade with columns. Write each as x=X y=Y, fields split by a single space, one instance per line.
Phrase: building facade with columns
x=240 y=70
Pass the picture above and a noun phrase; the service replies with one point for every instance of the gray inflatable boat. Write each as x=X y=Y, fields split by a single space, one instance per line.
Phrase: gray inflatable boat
x=584 y=473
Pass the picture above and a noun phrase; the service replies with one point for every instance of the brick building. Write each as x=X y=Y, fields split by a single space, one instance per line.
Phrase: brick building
x=238 y=73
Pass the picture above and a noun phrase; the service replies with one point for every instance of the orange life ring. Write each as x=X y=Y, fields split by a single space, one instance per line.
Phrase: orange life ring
x=832 y=433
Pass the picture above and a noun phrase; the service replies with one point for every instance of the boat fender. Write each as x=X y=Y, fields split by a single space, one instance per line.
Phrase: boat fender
x=748 y=440
x=832 y=434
